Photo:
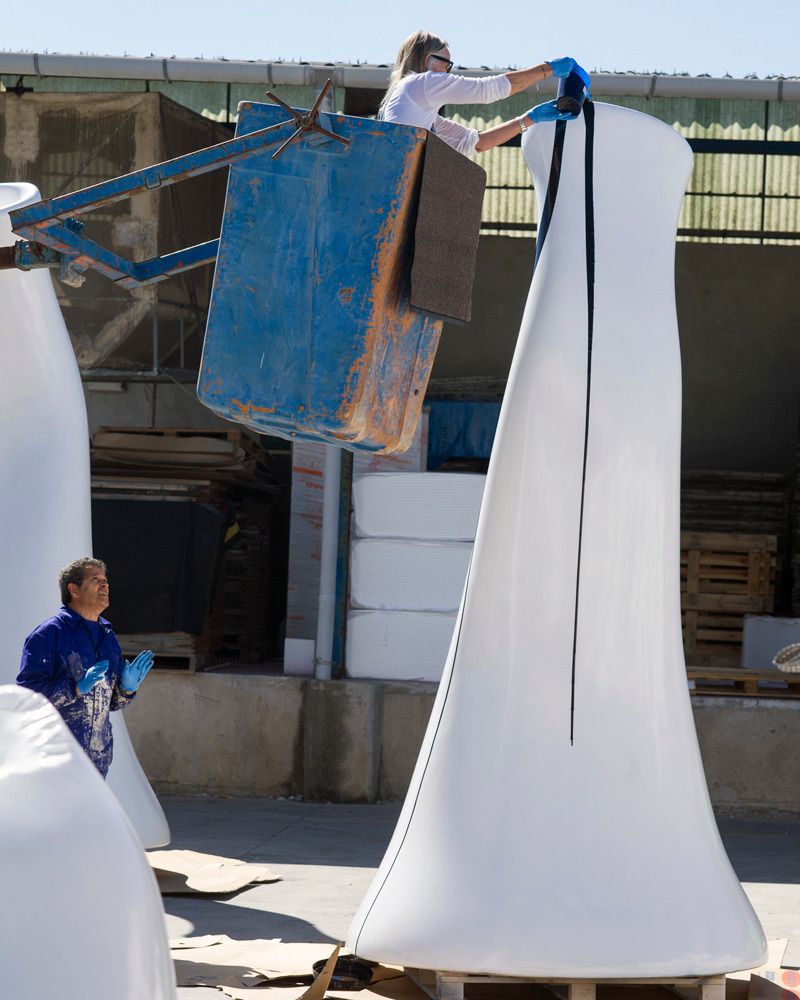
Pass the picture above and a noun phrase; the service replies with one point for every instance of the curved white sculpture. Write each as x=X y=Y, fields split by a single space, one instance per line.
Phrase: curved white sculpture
x=546 y=835
x=45 y=507
x=80 y=915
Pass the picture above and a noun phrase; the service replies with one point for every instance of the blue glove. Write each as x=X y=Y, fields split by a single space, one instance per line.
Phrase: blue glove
x=562 y=67
x=132 y=674
x=92 y=677
x=587 y=80
x=548 y=112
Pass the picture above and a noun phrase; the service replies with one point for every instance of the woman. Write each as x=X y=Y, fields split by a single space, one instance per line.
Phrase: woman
x=421 y=83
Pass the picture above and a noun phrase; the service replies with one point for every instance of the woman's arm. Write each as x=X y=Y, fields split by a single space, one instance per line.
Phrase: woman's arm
x=497 y=135
x=521 y=79
x=547 y=112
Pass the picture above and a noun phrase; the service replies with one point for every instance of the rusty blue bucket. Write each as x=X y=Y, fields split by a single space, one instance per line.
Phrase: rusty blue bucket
x=311 y=333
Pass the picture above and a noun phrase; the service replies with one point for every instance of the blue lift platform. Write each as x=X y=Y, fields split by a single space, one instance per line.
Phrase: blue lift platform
x=345 y=242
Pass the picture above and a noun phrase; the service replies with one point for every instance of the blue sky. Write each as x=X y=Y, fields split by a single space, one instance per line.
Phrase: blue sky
x=692 y=36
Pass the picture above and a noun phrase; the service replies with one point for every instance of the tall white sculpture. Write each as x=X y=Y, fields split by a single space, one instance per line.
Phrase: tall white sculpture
x=80 y=912
x=45 y=507
x=558 y=822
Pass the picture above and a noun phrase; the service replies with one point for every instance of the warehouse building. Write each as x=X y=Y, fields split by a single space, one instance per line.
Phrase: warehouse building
x=231 y=520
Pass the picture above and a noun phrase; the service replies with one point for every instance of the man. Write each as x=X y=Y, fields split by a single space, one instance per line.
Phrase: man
x=74 y=660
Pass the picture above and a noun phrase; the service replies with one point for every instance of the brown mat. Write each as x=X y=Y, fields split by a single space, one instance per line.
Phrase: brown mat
x=447 y=231
x=189 y=872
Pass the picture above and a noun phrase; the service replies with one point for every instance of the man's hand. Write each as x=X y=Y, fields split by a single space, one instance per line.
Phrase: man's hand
x=92 y=677
x=132 y=674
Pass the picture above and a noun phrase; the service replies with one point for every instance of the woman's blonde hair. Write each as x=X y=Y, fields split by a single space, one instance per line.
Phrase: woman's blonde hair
x=411 y=58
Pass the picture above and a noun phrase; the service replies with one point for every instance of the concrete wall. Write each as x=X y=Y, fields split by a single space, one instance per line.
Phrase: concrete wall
x=357 y=741
x=227 y=734
x=739 y=318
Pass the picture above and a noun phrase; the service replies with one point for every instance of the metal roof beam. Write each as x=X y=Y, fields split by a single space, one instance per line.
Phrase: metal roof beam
x=275 y=74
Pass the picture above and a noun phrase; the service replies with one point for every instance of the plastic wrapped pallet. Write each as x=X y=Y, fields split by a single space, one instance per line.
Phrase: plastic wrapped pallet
x=398 y=645
x=435 y=506
x=402 y=575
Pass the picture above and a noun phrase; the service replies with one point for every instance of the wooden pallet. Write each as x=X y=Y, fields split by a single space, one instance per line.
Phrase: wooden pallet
x=724 y=576
x=234 y=434
x=738 y=681
x=173 y=650
x=451 y=985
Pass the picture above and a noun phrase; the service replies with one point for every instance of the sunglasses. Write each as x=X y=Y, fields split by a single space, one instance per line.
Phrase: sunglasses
x=448 y=62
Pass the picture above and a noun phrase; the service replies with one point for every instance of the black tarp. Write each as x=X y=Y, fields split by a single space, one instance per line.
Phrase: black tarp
x=162 y=559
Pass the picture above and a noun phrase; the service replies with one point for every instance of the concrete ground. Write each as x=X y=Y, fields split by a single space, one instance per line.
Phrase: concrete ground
x=326 y=855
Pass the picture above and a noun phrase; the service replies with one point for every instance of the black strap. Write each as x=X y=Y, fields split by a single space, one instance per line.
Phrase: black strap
x=588 y=115
x=552 y=189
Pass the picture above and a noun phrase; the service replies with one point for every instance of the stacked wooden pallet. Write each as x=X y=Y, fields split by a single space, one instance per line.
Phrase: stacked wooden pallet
x=173 y=650
x=723 y=578
x=748 y=503
x=247 y=628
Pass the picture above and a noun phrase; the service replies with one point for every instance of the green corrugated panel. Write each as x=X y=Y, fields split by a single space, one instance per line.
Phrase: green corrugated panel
x=716 y=179
x=206 y=99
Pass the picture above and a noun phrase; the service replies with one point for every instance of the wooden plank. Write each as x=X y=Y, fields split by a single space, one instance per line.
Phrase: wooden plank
x=451 y=985
x=743 y=682
x=727 y=542
x=741 y=603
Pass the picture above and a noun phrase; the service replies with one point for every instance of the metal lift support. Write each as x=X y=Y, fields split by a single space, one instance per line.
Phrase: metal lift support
x=51 y=230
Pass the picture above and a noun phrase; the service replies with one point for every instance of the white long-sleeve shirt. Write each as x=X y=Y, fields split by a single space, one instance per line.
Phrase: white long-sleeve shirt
x=416 y=99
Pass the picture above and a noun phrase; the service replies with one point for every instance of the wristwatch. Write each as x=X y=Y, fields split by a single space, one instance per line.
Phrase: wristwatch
x=523 y=125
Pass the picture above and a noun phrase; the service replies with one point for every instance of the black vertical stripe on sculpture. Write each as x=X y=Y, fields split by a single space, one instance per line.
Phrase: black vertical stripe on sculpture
x=588 y=115
x=552 y=189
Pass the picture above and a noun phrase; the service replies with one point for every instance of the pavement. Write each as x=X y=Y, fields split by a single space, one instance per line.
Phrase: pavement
x=326 y=855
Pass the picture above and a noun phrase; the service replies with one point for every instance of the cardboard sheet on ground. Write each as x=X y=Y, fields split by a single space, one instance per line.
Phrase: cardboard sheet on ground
x=189 y=872
x=285 y=969
x=743 y=985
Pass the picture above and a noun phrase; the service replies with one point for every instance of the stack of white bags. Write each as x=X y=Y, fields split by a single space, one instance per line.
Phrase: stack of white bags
x=411 y=546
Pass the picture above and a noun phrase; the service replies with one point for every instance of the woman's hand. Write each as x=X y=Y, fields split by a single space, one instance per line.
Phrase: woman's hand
x=549 y=112
x=562 y=67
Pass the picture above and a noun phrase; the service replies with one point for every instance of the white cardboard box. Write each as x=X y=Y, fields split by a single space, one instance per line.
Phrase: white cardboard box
x=403 y=575
x=435 y=506
x=398 y=645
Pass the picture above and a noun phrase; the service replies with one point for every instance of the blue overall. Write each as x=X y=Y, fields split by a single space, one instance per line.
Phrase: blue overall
x=55 y=656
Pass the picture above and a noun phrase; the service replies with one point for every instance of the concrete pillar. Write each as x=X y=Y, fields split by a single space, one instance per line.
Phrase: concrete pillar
x=341 y=746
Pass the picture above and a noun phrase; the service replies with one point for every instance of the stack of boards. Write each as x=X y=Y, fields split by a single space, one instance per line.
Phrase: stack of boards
x=411 y=545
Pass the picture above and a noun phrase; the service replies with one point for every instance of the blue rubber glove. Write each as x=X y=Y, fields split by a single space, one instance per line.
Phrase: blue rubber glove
x=548 y=112
x=92 y=677
x=562 y=67
x=587 y=80
x=132 y=674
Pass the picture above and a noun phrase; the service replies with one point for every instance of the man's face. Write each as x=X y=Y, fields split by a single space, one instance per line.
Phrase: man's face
x=93 y=592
